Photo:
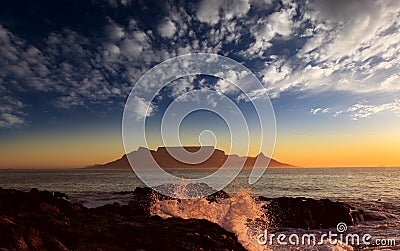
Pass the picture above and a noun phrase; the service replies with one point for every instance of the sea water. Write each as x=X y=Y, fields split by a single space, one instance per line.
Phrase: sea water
x=376 y=190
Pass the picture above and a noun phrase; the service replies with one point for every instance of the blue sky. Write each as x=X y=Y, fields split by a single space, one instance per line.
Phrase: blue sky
x=66 y=67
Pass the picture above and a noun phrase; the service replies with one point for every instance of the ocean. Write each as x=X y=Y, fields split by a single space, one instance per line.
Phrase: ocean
x=376 y=190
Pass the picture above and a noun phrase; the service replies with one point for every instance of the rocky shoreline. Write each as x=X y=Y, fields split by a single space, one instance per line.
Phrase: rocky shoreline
x=41 y=220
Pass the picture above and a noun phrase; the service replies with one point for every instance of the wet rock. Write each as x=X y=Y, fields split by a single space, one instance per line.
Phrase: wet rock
x=374 y=216
x=217 y=195
x=38 y=220
x=49 y=208
x=144 y=196
x=357 y=215
x=309 y=213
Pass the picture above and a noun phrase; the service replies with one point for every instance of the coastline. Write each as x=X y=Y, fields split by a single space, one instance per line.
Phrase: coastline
x=47 y=220
x=300 y=192
x=41 y=220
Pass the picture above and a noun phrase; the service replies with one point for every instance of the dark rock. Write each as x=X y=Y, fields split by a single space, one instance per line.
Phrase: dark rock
x=374 y=216
x=357 y=215
x=263 y=198
x=309 y=213
x=123 y=192
x=60 y=195
x=147 y=194
x=142 y=199
x=38 y=220
x=217 y=195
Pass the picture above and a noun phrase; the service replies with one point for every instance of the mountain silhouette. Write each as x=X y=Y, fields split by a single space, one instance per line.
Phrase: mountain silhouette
x=200 y=157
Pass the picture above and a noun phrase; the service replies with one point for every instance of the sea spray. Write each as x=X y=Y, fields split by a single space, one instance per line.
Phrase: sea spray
x=239 y=213
x=236 y=213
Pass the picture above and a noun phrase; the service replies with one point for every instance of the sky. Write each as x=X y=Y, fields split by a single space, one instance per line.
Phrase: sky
x=331 y=70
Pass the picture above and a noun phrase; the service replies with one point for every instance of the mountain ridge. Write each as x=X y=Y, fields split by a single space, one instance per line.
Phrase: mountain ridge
x=215 y=160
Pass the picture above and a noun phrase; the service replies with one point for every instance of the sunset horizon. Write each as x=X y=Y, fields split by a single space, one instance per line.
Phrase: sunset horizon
x=109 y=156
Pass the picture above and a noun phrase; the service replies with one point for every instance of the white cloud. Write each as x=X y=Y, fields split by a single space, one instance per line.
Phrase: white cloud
x=22 y=61
x=141 y=108
x=362 y=109
x=70 y=100
x=118 y=3
x=181 y=86
x=211 y=12
x=351 y=46
x=112 y=49
x=211 y=100
x=316 y=110
x=10 y=120
x=391 y=83
x=337 y=113
x=114 y=32
x=81 y=78
x=131 y=48
x=280 y=23
x=11 y=110
x=91 y=74
x=225 y=87
x=167 y=29
x=208 y=11
x=365 y=110
x=265 y=29
x=235 y=8
x=274 y=72
x=349 y=40
x=135 y=43
x=125 y=2
x=229 y=82
x=326 y=110
x=319 y=110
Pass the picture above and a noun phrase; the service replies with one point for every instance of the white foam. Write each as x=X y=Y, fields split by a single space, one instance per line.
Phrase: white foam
x=233 y=214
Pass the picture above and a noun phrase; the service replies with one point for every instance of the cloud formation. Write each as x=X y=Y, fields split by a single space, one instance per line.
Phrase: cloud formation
x=319 y=110
x=167 y=29
x=11 y=114
x=312 y=47
x=211 y=12
x=365 y=110
x=356 y=50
